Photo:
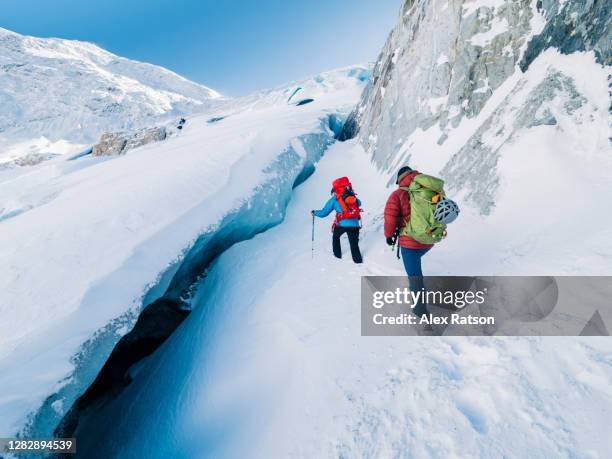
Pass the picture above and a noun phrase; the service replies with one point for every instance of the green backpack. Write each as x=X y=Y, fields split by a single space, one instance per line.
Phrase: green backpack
x=425 y=192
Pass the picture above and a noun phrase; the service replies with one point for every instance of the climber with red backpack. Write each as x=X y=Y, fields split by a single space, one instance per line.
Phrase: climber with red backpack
x=348 y=217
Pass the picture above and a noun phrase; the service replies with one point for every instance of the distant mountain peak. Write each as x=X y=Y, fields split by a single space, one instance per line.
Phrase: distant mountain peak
x=74 y=90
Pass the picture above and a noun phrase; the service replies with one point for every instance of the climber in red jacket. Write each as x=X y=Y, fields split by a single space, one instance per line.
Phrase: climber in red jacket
x=397 y=213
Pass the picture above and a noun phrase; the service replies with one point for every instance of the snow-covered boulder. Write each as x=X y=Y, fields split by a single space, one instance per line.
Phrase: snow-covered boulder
x=29 y=159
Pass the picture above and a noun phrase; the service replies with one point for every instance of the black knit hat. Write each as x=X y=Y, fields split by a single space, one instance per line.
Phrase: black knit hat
x=401 y=172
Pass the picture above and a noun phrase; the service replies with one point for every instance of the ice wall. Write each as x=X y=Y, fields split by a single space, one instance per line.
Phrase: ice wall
x=264 y=209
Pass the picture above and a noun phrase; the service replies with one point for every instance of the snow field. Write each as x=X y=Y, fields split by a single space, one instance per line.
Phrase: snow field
x=271 y=363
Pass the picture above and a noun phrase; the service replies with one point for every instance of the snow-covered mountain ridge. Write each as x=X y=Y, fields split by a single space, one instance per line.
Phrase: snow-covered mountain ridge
x=59 y=95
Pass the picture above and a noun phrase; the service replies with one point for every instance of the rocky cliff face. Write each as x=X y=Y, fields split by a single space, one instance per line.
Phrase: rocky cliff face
x=454 y=84
x=573 y=26
x=440 y=64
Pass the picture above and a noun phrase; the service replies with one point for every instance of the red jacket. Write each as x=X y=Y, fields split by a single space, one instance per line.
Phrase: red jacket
x=397 y=213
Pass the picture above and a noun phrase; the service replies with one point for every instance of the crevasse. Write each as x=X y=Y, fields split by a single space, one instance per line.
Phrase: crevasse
x=120 y=356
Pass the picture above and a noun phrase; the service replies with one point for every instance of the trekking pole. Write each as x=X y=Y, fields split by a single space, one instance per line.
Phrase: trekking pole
x=312 y=248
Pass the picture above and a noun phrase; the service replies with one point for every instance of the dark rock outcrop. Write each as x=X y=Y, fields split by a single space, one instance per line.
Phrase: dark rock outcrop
x=118 y=143
x=574 y=26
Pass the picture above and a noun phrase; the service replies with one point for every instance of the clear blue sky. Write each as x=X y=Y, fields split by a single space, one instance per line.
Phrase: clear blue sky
x=234 y=47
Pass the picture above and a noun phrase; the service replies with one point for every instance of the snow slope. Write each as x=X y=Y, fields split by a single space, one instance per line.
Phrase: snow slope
x=54 y=90
x=82 y=241
x=271 y=362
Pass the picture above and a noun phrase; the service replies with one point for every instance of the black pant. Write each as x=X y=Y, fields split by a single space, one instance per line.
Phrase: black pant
x=353 y=237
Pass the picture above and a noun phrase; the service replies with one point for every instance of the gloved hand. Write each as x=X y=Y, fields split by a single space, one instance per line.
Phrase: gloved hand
x=312 y=213
x=391 y=240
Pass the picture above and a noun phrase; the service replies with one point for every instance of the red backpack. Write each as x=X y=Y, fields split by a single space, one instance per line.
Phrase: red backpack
x=347 y=199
